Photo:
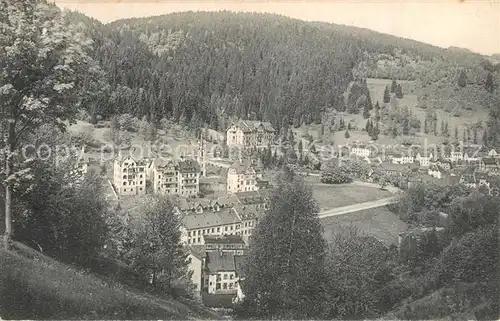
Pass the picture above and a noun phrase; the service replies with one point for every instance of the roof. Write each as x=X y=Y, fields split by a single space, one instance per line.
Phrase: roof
x=239 y=264
x=241 y=167
x=224 y=239
x=247 y=212
x=209 y=219
x=197 y=251
x=394 y=167
x=489 y=161
x=189 y=166
x=220 y=261
x=222 y=201
x=249 y=197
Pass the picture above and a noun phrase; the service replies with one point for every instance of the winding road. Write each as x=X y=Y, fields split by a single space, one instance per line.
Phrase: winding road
x=358 y=207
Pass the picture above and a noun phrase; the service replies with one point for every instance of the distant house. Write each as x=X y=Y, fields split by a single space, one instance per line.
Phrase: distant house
x=403 y=159
x=443 y=163
x=492 y=153
x=243 y=176
x=196 y=262
x=361 y=151
x=424 y=161
x=491 y=165
x=456 y=156
x=436 y=171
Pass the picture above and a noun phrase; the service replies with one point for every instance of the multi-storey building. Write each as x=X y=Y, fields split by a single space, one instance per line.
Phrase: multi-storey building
x=196 y=225
x=242 y=177
x=424 y=160
x=250 y=134
x=220 y=273
x=189 y=178
x=360 y=151
x=130 y=175
x=226 y=243
x=176 y=177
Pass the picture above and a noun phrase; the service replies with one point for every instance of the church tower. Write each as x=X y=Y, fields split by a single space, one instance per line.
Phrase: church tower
x=201 y=157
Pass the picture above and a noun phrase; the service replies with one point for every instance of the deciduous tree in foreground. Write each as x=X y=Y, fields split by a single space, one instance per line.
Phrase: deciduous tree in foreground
x=43 y=63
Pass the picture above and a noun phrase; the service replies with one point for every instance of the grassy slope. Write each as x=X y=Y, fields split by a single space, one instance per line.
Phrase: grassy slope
x=448 y=98
x=331 y=196
x=378 y=222
x=38 y=287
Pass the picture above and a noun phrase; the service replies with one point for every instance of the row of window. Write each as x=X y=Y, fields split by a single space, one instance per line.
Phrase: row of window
x=130 y=176
x=131 y=189
x=133 y=183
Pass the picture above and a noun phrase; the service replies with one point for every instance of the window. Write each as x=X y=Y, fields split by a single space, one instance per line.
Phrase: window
x=199 y=240
x=141 y=188
x=218 y=229
x=231 y=285
x=225 y=228
x=225 y=276
x=217 y=286
x=140 y=176
x=224 y=286
x=124 y=189
x=212 y=230
x=189 y=233
x=124 y=176
x=210 y=283
x=231 y=276
x=124 y=183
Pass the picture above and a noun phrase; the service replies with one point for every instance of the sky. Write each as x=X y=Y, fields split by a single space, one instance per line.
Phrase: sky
x=468 y=24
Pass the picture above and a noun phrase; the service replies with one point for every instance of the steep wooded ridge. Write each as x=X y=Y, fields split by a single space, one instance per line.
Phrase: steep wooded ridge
x=204 y=67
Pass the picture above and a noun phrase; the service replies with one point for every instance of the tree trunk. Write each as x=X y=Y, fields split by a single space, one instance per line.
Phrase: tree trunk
x=8 y=206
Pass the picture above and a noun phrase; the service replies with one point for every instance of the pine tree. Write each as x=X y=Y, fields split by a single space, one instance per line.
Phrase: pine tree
x=368 y=126
x=474 y=133
x=468 y=134
x=406 y=126
x=456 y=132
x=346 y=135
x=435 y=128
x=387 y=95
x=485 y=139
x=394 y=132
x=464 y=136
x=349 y=126
x=442 y=127
x=399 y=92
x=426 y=128
x=462 y=79
x=489 y=85
x=446 y=131
x=394 y=86
x=285 y=266
x=377 y=106
x=366 y=112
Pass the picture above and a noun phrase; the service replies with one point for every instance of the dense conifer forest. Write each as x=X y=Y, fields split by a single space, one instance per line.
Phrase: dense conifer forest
x=203 y=68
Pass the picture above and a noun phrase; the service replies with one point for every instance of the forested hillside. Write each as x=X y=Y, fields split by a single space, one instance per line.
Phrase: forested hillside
x=206 y=67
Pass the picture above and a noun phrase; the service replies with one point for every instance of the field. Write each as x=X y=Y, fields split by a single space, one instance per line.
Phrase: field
x=331 y=196
x=42 y=288
x=377 y=222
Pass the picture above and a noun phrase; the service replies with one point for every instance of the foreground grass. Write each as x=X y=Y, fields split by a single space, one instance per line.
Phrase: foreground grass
x=42 y=288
